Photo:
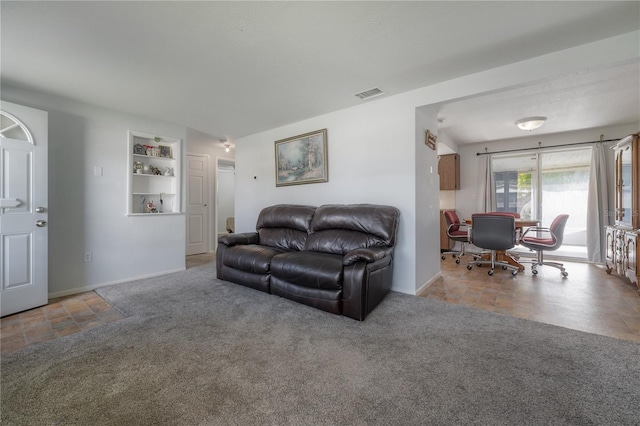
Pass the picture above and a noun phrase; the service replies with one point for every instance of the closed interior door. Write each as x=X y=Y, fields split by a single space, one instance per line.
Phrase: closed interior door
x=23 y=208
x=197 y=204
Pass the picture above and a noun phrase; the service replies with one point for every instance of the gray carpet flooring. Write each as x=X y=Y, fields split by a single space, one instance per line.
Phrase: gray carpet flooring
x=198 y=351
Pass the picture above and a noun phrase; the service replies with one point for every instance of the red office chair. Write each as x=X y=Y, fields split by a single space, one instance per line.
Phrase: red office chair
x=546 y=239
x=457 y=231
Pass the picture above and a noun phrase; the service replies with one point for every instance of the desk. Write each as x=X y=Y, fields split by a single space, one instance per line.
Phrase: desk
x=502 y=255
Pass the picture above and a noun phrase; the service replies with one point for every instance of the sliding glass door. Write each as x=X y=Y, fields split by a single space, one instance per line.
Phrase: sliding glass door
x=542 y=185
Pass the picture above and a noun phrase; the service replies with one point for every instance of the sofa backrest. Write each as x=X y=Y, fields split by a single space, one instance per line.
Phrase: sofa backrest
x=339 y=228
x=284 y=226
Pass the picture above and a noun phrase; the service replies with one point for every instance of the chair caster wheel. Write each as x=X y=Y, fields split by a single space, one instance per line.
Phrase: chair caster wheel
x=453 y=255
x=504 y=268
x=458 y=261
x=534 y=271
x=469 y=267
x=443 y=257
x=490 y=272
x=514 y=273
x=564 y=274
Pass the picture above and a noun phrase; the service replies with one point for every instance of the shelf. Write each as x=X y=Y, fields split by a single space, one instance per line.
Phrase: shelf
x=150 y=175
x=154 y=193
x=146 y=188
x=154 y=157
x=155 y=214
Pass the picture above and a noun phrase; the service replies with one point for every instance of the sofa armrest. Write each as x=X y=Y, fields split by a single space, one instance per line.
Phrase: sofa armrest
x=368 y=255
x=239 y=239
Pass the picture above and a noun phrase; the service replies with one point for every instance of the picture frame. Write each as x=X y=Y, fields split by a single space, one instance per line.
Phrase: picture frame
x=165 y=151
x=302 y=159
x=430 y=140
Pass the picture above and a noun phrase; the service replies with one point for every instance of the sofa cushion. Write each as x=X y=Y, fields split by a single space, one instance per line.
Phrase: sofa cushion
x=284 y=226
x=327 y=300
x=313 y=270
x=250 y=258
x=338 y=229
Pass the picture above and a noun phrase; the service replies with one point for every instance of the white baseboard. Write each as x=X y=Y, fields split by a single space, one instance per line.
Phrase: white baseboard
x=95 y=286
x=426 y=285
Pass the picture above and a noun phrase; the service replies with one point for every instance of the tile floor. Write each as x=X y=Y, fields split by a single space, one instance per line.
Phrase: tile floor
x=61 y=317
x=588 y=299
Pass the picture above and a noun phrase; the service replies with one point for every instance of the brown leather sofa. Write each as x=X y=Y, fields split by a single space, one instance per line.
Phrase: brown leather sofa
x=338 y=258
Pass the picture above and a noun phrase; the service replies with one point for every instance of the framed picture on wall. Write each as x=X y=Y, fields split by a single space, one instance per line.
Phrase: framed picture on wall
x=302 y=159
x=430 y=140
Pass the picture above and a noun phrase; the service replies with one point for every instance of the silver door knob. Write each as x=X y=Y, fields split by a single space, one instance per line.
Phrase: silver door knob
x=41 y=223
x=40 y=210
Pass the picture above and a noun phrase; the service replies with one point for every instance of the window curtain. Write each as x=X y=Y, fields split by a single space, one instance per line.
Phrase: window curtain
x=597 y=205
x=486 y=197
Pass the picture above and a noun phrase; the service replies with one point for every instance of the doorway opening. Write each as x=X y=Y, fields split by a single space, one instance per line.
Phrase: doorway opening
x=225 y=197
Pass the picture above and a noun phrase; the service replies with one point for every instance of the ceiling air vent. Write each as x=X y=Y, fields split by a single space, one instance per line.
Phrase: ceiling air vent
x=369 y=93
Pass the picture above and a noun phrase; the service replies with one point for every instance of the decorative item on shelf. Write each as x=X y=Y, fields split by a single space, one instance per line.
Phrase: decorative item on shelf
x=157 y=139
x=151 y=208
x=154 y=170
x=139 y=149
x=145 y=169
x=168 y=171
x=138 y=167
x=152 y=151
x=161 y=204
x=165 y=151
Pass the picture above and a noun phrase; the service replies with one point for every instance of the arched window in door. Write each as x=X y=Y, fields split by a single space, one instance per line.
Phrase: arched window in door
x=11 y=127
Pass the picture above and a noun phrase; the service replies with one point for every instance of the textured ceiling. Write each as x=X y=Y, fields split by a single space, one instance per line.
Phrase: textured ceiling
x=230 y=69
x=589 y=99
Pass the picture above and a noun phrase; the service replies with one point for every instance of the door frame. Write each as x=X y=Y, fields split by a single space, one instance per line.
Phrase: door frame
x=207 y=195
x=218 y=161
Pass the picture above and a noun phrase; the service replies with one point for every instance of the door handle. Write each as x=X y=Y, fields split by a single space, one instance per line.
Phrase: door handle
x=40 y=209
x=41 y=223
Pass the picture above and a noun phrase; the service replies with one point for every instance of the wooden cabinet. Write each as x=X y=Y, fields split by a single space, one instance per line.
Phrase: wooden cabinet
x=622 y=238
x=153 y=175
x=449 y=171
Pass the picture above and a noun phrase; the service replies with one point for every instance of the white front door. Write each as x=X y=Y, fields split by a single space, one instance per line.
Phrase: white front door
x=197 y=201
x=23 y=208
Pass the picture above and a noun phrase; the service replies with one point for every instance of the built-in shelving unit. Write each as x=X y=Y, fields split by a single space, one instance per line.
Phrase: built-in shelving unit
x=153 y=175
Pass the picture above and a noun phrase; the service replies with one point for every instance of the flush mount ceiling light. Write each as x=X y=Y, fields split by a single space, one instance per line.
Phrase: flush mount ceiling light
x=530 y=123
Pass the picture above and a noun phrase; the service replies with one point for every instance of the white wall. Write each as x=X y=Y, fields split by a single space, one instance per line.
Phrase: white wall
x=374 y=153
x=371 y=160
x=427 y=201
x=87 y=212
x=201 y=143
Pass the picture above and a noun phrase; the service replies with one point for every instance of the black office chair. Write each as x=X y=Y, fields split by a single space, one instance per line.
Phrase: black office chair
x=546 y=239
x=495 y=233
